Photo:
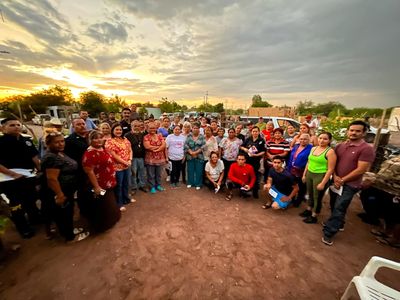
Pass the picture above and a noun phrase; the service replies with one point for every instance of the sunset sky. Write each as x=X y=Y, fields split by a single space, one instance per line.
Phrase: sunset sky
x=286 y=51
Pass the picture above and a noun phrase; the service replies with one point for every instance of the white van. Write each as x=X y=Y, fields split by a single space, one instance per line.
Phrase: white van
x=278 y=121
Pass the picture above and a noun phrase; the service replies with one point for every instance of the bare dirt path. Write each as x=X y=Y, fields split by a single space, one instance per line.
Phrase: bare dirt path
x=187 y=244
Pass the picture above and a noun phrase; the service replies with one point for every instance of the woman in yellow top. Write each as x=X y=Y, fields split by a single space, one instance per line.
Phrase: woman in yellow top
x=320 y=166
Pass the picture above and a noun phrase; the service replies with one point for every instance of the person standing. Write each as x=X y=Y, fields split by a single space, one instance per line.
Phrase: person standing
x=111 y=118
x=276 y=145
x=211 y=144
x=120 y=149
x=290 y=133
x=261 y=124
x=320 y=166
x=154 y=158
x=125 y=122
x=238 y=132
x=254 y=148
x=75 y=146
x=99 y=167
x=354 y=158
x=165 y=130
x=194 y=155
x=84 y=115
x=19 y=152
x=175 y=144
x=229 y=149
x=133 y=113
x=60 y=183
x=268 y=132
x=105 y=129
x=135 y=137
x=297 y=163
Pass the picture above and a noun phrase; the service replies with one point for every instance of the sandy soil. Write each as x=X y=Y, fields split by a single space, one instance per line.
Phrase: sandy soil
x=187 y=244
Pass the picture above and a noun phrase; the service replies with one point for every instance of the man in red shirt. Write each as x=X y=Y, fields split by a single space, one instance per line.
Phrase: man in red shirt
x=240 y=176
x=354 y=157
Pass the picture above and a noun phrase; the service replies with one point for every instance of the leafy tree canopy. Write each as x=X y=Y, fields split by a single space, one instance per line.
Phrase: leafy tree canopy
x=93 y=102
x=257 y=101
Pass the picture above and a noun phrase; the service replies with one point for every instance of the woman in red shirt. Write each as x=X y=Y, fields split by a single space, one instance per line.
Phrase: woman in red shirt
x=120 y=149
x=99 y=167
x=154 y=158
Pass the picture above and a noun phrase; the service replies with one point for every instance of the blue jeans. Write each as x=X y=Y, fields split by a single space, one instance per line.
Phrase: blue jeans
x=122 y=188
x=138 y=173
x=339 y=205
x=195 y=172
x=154 y=175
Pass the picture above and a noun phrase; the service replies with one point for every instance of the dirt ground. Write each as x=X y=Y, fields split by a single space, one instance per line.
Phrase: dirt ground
x=188 y=244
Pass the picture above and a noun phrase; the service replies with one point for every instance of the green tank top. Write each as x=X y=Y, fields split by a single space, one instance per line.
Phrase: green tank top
x=318 y=164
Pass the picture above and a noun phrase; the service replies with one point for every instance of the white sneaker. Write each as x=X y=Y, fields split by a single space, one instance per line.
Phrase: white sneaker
x=188 y=186
x=80 y=237
x=78 y=230
x=122 y=208
x=133 y=200
x=198 y=188
x=168 y=178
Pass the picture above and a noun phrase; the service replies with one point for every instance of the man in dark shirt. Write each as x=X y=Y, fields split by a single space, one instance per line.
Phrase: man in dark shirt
x=18 y=152
x=75 y=146
x=111 y=118
x=135 y=137
x=280 y=185
x=125 y=122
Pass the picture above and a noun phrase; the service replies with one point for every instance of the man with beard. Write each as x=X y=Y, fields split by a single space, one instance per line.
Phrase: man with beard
x=354 y=157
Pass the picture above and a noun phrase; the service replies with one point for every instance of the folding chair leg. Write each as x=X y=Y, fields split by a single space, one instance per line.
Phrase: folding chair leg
x=350 y=291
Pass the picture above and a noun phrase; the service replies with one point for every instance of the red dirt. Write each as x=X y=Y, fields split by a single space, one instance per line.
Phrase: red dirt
x=182 y=244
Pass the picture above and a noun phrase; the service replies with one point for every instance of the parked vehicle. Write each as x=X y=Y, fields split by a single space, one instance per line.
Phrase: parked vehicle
x=39 y=119
x=278 y=121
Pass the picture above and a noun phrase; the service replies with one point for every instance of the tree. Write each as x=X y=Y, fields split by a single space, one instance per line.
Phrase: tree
x=257 y=101
x=93 y=102
x=142 y=111
x=304 y=107
x=169 y=106
x=115 y=104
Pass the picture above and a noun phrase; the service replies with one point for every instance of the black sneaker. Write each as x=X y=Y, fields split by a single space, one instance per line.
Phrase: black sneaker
x=327 y=241
x=306 y=213
x=340 y=229
x=310 y=220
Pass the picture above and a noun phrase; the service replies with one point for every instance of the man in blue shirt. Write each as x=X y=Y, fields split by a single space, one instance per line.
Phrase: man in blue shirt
x=84 y=115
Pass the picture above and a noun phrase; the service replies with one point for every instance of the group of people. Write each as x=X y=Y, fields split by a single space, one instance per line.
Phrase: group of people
x=103 y=168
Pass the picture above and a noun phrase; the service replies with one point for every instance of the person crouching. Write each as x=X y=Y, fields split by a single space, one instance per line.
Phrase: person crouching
x=280 y=185
x=240 y=176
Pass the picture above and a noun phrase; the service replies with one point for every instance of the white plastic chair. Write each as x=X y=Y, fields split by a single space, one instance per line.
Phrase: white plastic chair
x=368 y=287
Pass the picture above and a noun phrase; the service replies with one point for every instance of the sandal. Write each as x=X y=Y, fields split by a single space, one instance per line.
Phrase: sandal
x=267 y=205
x=228 y=197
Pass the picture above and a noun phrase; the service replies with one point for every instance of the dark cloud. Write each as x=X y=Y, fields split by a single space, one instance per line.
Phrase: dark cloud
x=230 y=48
x=164 y=10
x=107 y=33
x=40 y=19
